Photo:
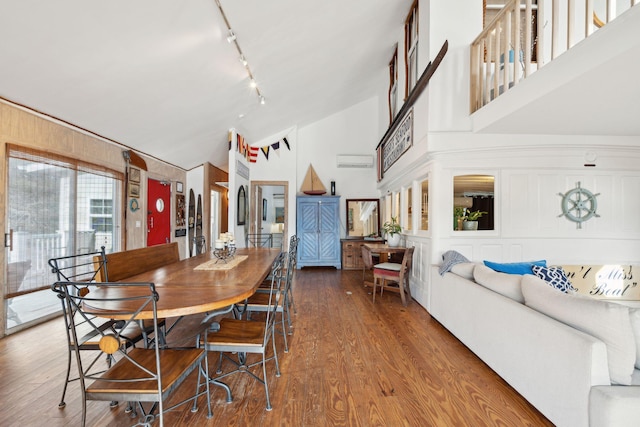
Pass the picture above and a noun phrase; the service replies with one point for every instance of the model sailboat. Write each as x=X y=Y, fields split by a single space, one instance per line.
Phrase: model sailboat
x=312 y=184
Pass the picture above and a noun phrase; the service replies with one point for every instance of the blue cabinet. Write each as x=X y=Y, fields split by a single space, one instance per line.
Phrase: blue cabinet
x=318 y=227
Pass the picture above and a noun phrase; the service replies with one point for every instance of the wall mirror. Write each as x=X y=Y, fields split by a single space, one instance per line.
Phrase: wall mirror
x=363 y=218
x=242 y=205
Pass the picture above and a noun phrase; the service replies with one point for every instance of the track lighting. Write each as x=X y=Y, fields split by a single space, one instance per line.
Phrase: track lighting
x=232 y=36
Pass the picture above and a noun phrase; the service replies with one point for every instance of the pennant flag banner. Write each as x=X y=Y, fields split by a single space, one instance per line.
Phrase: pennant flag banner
x=251 y=153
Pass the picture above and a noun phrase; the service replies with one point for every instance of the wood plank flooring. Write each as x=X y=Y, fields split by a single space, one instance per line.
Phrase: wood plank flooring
x=350 y=363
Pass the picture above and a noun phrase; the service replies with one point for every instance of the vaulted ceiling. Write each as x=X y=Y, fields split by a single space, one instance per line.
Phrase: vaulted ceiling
x=160 y=77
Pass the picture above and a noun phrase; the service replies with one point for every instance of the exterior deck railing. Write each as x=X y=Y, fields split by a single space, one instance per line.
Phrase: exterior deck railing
x=527 y=34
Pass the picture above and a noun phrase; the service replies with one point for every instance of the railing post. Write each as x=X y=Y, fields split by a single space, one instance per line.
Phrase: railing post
x=539 y=43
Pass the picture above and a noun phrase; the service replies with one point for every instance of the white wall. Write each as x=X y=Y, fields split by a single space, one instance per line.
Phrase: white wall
x=351 y=131
x=281 y=166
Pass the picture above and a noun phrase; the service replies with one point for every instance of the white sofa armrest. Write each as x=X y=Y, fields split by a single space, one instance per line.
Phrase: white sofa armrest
x=617 y=406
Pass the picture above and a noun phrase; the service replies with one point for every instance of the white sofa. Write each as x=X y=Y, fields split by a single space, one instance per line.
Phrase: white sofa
x=560 y=370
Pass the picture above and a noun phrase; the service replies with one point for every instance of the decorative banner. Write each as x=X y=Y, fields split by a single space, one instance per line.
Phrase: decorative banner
x=399 y=142
x=251 y=153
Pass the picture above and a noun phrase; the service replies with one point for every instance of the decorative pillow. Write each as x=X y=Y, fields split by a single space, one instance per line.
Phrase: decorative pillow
x=464 y=269
x=606 y=321
x=515 y=267
x=502 y=283
x=555 y=277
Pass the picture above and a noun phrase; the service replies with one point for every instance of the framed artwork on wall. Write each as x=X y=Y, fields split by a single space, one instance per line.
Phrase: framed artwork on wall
x=179 y=187
x=134 y=190
x=280 y=215
x=134 y=175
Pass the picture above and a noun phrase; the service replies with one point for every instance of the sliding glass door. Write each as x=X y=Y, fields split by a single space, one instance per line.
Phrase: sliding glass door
x=56 y=207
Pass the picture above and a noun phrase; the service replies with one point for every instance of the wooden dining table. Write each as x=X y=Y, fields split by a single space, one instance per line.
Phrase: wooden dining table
x=184 y=290
x=383 y=250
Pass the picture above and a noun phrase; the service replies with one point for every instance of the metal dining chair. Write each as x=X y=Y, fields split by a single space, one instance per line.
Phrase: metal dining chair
x=238 y=336
x=137 y=375
x=259 y=302
x=83 y=269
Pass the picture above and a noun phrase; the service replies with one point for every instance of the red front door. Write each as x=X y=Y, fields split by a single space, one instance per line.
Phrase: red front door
x=158 y=213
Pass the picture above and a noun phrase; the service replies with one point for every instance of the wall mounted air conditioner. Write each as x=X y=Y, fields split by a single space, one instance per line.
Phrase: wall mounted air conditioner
x=354 y=161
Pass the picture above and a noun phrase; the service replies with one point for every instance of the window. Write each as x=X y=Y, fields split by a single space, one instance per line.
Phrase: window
x=393 y=85
x=101 y=215
x=473 y=193
x=57 y=206
x=411 y=48
x=409 y=223
x=424 y=201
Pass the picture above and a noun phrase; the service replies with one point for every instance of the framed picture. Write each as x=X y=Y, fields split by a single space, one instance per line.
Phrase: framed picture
x=134 y=175
x=242 y=205
x=264 y=209
x=180 y=209
x=179 y=188
x=280 y=215
x=134 y=190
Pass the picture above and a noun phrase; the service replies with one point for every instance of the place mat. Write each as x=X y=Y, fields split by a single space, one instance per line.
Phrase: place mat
x=218 y=264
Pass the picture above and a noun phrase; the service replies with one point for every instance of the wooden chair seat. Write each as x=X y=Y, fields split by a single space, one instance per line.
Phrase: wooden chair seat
x=176 y=365
x=237 y=333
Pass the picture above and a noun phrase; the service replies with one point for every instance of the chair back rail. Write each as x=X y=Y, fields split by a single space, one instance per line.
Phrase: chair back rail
x=121 y=265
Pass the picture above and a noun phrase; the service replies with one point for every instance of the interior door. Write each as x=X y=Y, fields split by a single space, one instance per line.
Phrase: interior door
x=158 y=212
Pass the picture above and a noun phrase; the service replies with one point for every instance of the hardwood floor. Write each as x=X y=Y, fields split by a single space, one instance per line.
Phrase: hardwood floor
x=350 y=363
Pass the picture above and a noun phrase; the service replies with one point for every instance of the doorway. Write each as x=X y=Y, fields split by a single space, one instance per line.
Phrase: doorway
x=158 y=212
x=269 y=213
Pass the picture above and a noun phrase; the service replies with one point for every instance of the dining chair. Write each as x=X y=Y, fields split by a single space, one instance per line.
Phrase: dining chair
x=140 y=375
x=259 y=240
x=397 y=273
x=231 y=335
x=367 y=261
x=87 y=268
x=260 y=301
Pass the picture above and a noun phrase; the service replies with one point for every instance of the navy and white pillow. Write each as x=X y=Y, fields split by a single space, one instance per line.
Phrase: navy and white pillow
x=555 y=277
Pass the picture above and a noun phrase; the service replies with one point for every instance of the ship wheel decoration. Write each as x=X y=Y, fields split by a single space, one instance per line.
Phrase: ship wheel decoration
x=579 y=205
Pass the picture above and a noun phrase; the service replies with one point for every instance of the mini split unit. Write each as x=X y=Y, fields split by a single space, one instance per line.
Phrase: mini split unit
x=354 y=161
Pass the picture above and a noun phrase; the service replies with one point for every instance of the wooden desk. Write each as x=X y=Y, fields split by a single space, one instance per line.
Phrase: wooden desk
x=184 y=290
x=383 y=250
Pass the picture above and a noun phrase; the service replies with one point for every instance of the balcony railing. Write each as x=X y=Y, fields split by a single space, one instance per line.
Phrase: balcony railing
x=527 y=34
